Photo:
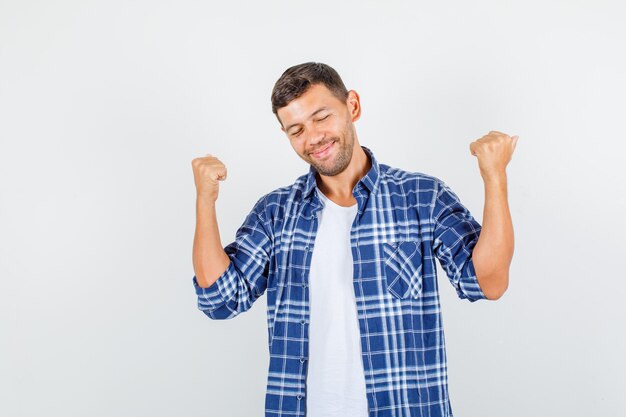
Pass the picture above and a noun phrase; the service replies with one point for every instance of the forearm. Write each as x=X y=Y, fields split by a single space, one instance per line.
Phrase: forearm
x=493 y=252
x=209 y=258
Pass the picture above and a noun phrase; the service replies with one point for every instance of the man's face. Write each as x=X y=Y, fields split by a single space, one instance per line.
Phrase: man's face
x=320 y=128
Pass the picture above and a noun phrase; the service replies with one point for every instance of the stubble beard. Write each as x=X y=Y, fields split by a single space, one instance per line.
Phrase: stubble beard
x=341 y=161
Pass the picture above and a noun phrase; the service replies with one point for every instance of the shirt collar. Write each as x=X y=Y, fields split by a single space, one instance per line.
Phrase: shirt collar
x=369 y=181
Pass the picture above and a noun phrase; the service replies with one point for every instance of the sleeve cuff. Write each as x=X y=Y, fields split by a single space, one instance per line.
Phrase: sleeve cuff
x=213 y=295
x=469 y=286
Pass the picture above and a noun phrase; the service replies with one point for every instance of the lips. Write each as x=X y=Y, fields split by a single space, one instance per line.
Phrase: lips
x=323 y=151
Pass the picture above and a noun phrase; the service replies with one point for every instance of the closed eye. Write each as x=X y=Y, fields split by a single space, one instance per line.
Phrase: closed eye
x=296 y=133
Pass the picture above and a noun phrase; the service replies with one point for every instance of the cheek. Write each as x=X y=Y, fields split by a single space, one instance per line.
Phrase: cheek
x=298 y=146
x=340 y=128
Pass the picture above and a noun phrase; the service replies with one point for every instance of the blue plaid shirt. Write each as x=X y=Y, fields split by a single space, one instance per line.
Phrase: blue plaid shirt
x=404 y=220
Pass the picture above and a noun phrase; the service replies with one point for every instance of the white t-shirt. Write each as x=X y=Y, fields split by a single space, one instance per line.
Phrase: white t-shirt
x=335 y=378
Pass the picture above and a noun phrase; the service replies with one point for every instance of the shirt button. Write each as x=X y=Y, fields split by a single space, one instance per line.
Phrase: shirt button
x=302 y=360
x=303 y=285
x=302 y=321
x=306 y=248
x=299 y=397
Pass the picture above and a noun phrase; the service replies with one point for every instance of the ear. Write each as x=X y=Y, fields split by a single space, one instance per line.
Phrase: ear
x=354 y=105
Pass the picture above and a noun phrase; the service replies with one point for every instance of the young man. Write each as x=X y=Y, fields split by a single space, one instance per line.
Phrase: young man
x=346 y=255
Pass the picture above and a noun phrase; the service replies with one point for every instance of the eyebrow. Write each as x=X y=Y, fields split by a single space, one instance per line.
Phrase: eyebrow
x=312 y=114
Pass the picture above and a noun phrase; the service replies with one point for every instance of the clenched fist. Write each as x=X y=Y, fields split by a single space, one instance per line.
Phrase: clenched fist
x=207 y=173
x=494 y=151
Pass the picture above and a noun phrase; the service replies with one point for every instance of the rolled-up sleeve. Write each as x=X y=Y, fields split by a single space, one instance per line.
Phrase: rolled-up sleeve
x=245 y=278
x=456 y=233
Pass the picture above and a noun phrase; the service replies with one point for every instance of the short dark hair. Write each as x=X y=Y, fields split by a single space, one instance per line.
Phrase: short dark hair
x=297 y=79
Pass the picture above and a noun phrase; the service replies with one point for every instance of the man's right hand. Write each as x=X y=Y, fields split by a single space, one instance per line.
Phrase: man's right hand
x=207 y=172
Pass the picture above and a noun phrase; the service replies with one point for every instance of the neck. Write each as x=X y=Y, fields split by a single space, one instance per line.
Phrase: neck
x=339 y=187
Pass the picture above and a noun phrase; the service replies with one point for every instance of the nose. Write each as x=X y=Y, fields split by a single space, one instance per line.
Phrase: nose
x=314 y=136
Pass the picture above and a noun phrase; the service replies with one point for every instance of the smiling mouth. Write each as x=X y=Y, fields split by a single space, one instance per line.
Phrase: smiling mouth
x=319 y=151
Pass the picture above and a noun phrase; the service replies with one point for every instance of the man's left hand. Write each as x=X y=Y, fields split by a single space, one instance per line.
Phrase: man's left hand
x=494 y=151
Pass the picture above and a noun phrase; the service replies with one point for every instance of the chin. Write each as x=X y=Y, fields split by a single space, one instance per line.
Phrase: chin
x=335 y=171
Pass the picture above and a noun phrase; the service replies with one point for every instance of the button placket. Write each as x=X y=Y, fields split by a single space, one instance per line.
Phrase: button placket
x=307 y=249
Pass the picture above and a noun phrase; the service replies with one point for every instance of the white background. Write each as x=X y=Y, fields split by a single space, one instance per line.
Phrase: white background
x=103 y=105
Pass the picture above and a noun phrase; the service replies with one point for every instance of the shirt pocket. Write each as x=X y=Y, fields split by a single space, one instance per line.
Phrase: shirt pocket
x=403 y=268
